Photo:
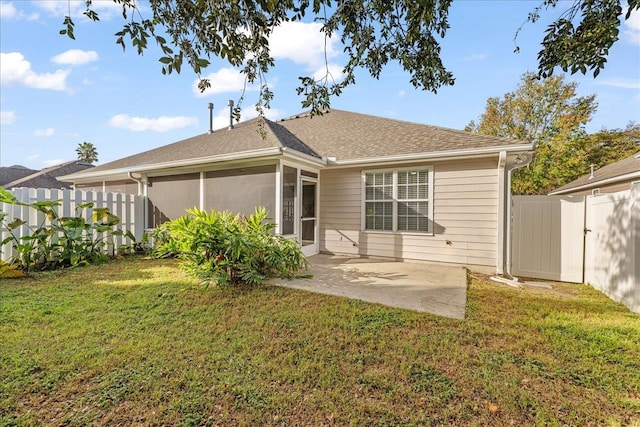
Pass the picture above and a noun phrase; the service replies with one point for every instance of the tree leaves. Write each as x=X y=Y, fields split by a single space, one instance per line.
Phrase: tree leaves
x=87 y=152
x=582 y=44
x=373 y=33
x=549 y=113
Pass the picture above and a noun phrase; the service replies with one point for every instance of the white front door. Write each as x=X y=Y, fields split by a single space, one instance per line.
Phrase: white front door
x=309 y=217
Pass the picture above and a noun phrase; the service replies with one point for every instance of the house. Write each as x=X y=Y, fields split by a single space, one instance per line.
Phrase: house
x=615 y=177
x=19 y=176
x=341 y=182
x=13 y=173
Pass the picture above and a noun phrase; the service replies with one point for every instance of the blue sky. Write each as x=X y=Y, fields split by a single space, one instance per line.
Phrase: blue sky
x=56 y=93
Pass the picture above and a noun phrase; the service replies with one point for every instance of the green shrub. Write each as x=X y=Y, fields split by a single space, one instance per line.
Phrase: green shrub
x=222 y=248
x=60 y=241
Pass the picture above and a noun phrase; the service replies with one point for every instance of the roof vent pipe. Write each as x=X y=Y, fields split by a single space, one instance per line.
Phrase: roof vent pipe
x=230 y=105
x=592 y=175
x=211 y=117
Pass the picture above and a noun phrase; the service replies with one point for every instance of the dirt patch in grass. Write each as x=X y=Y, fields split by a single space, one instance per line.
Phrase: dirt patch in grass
x=135 y=342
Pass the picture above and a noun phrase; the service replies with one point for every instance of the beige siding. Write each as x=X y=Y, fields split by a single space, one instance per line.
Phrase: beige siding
x=465 y=216
x=611 y=188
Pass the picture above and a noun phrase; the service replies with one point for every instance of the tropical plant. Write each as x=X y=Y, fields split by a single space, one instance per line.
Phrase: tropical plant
x=222 y=248
x=87 y=152
x=57 y=241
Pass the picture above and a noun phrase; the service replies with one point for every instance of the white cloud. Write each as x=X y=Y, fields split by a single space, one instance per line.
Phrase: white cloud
x=32 y=157
x=75 y=57
x=332 y=73
x=160 y=124
x=302 y=43
x=16 y=69
x=52 y=162
x=632 y=27
x=44 y=132
x=105 y=8
x=7 y=117
x=620 y=82
x=8 y=11
x=476 y=57
x=223 y=80
x=401 y=93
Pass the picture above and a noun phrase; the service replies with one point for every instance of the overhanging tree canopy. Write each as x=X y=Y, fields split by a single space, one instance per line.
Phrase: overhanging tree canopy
x=373 y=33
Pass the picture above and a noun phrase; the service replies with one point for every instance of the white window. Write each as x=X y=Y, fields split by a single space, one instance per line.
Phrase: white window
x=398 y=200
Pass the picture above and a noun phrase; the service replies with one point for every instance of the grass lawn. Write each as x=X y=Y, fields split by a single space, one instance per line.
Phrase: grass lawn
x=134 y=342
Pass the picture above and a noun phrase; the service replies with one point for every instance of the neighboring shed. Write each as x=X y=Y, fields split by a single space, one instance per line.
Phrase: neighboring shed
x=44 y=178
x=612 y=178
x=341 y=182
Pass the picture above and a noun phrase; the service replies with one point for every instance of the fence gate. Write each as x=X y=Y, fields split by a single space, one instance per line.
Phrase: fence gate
x=612 y=257
x=548 y=237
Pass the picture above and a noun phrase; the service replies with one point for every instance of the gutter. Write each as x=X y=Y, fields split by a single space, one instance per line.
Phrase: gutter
x=180 y=163
x=440 y=155
x=595 y=184
x=295 y=154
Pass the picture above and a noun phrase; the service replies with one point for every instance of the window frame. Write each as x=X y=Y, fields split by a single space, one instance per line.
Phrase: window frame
x=395 y=201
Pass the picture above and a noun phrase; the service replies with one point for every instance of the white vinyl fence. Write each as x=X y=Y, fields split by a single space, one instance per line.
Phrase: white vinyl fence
x=129 y=208
x=584 y=239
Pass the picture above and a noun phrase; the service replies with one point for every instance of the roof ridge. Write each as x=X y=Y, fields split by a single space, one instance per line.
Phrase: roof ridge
x=291 y=135
x=305 y=114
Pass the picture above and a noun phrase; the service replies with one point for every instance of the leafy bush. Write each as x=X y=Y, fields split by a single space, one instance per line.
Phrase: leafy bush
x=60 y=241
x=223 y=248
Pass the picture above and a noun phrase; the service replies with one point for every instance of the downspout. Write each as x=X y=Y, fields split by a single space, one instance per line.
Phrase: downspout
x=502 y=161
x=506 y=167
x=142 y=191
x=519 y=162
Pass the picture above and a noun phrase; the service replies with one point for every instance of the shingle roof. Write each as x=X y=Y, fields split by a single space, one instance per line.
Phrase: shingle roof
x=244 y=136
x=347 y=136
x=340 y=134
x=614 y=170
x=47 y=177
x=13 y=173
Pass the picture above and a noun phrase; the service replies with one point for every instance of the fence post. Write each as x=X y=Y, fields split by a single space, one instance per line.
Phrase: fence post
x=121 y=225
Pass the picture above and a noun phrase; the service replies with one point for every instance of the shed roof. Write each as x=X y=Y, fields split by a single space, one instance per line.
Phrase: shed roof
x=619 y=171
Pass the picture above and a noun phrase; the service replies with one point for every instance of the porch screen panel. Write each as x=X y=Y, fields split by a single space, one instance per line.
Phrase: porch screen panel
x=94 y=186
x=125 y=186
x=289 y=196
x=170 y=196
x=241 y=190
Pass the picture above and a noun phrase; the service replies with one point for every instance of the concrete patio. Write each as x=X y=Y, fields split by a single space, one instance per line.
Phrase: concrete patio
x=434 y=288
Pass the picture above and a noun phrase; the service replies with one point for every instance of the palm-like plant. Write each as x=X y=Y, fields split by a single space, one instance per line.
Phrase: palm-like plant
x=87 y=152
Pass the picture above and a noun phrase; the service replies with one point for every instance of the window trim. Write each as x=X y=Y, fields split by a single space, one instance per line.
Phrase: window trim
x=395 y=201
